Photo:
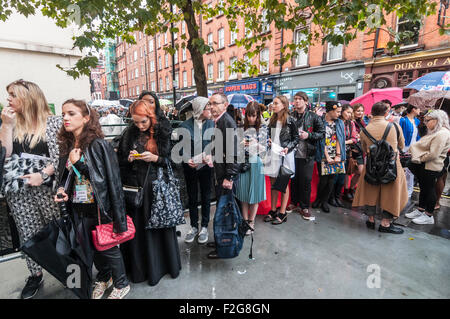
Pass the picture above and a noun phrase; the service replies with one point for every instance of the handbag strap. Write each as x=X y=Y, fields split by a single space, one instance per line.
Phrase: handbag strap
x=99 y=219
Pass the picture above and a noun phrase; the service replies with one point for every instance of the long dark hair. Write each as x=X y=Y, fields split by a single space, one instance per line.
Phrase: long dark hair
x=253 y=108
x=91 y=130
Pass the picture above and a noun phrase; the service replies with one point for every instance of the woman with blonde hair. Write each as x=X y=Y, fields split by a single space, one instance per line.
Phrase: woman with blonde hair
x=29 y=134
x=283 y=133
x=427 y=161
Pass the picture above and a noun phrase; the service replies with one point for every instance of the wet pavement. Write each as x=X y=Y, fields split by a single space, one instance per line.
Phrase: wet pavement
x=334 y=256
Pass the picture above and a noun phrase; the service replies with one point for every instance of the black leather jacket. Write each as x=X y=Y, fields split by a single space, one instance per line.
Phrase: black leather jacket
x=315 y=127
x=289 y=134
x=226 y=170
x=104 y=175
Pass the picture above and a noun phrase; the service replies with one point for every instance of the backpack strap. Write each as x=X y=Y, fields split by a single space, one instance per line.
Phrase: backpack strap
x=386 y=132
x=371 y=138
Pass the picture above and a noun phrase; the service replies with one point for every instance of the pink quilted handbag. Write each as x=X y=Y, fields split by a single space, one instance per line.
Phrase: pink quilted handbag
x=104 y=238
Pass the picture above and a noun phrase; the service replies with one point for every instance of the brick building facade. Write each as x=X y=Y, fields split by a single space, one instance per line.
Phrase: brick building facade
x=325 y=72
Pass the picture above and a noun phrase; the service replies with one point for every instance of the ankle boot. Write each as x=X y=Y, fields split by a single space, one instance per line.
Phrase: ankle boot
x=347 y=195
x=337 y=196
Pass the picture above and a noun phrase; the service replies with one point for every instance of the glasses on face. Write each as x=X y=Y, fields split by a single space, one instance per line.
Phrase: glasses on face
x=213 y=103
x=207 y=109
x=427 y=120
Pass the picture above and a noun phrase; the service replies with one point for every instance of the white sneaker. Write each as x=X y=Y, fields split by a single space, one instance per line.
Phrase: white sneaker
x=100 y=288
x=190 y=236
x=203 y=236
x=424 y=220
x=414 y=214
x=119 y=293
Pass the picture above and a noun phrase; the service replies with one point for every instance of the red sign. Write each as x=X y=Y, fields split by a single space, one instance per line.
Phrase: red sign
x=241 y=87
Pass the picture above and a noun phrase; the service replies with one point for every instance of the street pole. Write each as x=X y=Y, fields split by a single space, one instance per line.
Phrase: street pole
x=173 y=61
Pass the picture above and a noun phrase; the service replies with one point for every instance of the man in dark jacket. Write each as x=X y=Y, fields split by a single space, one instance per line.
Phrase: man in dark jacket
x=226 y=168
x=311 y=129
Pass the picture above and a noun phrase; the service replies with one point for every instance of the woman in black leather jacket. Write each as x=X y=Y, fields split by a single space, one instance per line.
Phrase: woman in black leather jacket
x=153 y=253
x=284 y=133
x=90 y=184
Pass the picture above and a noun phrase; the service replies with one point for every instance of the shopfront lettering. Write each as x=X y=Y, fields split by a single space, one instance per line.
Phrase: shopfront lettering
x=405 y=66
x=242 y=87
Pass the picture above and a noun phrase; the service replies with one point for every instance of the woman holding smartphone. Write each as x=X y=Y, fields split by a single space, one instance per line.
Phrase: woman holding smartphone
x=144 y=147
x=29 y=130
x=90 y=174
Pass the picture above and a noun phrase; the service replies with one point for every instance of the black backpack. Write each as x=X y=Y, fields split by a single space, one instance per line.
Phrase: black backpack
x=381 y=163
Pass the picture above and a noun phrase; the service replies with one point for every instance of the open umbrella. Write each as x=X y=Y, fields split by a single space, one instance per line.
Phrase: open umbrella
x=432 y=81
x=56 y=249
x=395 y=95
x=239 y=100
x=427 y=99
x=179 y=105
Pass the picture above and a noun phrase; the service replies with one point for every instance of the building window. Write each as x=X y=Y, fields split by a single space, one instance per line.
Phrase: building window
x=210 y=39
x=264 y=57
x=248 y=32
x=185 y=83
x=137 y=90
x=177 y=78
x=166 y=58
x=165 y=37
x=265 y=24
x=153 y=86
x=130 y=92
x=335 y=53
x=233 y=37
x=176 y=57
x=150 y=46
x=233 y=75
x=183 y=54
x=403 y=25
x=135 y=56
x=209 y=5
x=210 y=72
x=221 y=67
x=158 y=40
x=161 y=86
x=302 y=57
x=193 y=77
x=136 y=73
x=152 y=66
x=183 y=27
x=159 y=63
x=167 y=83
x=221 y=34
x=142 y=53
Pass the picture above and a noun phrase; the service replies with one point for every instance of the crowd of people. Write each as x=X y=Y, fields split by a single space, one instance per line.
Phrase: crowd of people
x=83 y=170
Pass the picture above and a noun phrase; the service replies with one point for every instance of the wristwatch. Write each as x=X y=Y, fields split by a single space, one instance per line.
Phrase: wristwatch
x=44 y=175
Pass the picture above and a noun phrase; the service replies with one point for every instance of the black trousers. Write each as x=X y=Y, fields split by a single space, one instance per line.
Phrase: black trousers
x=194 y=177
x=301 y=183
x=325 y=187
x=109 y=263
x=427 y=184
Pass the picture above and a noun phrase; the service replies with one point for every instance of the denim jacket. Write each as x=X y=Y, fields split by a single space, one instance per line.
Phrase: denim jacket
x=189 y=125
x=340 y=132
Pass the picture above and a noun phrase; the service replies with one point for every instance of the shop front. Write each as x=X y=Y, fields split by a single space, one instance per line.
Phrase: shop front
x=338 y=82
x=401 y=70
x=261 y=90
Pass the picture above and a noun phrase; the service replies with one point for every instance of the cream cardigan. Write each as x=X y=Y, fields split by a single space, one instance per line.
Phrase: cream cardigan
x=432 y=150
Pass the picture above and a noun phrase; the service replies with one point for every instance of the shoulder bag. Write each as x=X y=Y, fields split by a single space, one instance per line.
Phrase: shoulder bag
x=134 y=195
x=167 y=209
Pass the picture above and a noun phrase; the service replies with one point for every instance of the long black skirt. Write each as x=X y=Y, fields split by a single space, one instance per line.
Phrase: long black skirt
x=152 y=253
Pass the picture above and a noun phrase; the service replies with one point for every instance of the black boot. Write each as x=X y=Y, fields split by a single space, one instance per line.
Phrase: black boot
x=337 y=198
x=347 y=196
x=316 y=204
